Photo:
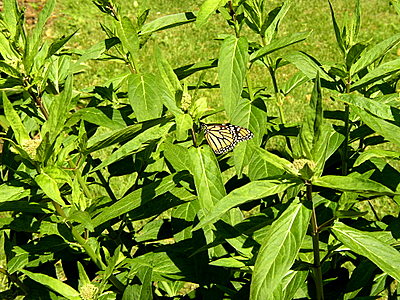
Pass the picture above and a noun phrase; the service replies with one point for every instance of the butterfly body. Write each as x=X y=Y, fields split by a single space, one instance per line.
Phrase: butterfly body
x=224 y=137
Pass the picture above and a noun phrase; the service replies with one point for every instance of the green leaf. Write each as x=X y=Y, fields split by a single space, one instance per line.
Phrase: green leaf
x=83 y=277
x=386 y=129
x=18 y=262
x=378 y=73
x=278 y=162
x=374 y=53
x=57 y=45
x=49 y=185
x=98 y=116
x=279 y=251
x=338 y=34
x=279 y=43
x=353 y=54
x=232 y=68
x=166 y=22
x=119 y=136
x=171 y=81
x=21 y=134
x=9 y=70
x=93 y=52
x=59 y=108
x=206 y=9
x=54 y=284
x=128 y=35
x=207 y=177
x=364 y=243
x=260 y=168
x=137 y=198
x=269 y=27
x=373 y=153
x=34 y=42
x=307 y=65
x=177 y=156
x=353 y=184
x=294 y=81
x=144 y=94
x=136 y=144
x=11 y=16
x=181 y=219
x=289 y=285
x=250 y=116
x=311 y=126
x=251 y=191
x=184 y=122
x=188 y=70
x=228 y=262
x=355 y=28
x=378 y=108
x=12 y=193
x=142 y=291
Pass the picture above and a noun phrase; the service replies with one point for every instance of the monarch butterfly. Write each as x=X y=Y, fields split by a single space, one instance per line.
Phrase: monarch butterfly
x=224 y=137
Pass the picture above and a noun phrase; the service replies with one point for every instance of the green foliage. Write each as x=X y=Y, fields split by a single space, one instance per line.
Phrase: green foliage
x=111 y=192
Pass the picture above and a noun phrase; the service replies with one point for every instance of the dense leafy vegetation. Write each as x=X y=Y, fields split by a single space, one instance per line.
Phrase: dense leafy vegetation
x=110 y=192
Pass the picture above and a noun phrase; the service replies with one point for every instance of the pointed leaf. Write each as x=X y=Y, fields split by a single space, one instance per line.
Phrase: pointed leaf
x=279 y=251
x=279 y=43
x=382 y=71
x=386 y=129
x=275 y=160
x=377 y=108
x=136 y=199
x=207 y=176
x=307 y=65
x=353 y=184
x=206 y=9
x=364 y=243
x=270 y=26
x=251 y=191
x=54 y=284
x=232 y=68
x=142 y=291
x=57 y=45
x=144 y=93
x=166 y=22
x=136 y=144
x=250 y=116
x=374 y=53
x=128 y=35
x=338 y=34
x=310 y=130
x=21 y=134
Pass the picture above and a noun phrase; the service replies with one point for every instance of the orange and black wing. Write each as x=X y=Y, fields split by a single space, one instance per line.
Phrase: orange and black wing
x=224 y=137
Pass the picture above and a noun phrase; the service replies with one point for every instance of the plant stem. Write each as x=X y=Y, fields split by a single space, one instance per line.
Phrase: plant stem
x=315 y=239
x=346 y=132
x=278 y=98
x=92 y=254
x=346 y=140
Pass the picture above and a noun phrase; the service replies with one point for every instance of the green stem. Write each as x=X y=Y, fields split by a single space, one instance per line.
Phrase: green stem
x=346 y=132
x=15 y=279
x=92 y=254
x=278 y=98
x=315 y=240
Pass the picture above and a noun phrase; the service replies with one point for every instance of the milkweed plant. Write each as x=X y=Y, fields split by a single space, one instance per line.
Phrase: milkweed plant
x=111 y=191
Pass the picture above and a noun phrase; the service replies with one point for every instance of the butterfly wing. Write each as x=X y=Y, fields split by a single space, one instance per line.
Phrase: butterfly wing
x=242 y=134
x=220 y=137
x=224 y=137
